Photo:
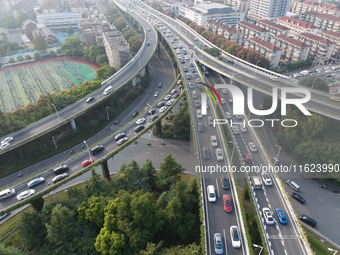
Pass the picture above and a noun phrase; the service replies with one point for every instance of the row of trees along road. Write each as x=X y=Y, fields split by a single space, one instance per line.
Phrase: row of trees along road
x=138 y=212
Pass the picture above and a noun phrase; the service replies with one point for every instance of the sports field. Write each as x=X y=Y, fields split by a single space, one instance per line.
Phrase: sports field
x=23 y=84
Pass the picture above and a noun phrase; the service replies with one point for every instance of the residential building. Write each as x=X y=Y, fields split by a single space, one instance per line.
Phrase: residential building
x=229 y=32
x=334 y=37
x=250 y=30
x=297 y=26
x=201 y=13
x=32 y=30
x=267 y=9
x=3 y=33
x=292 y=49
x=323 y=21
x=173 y=5
x=320 y=47
x=273 y=28
x=28 y=26
x=241 y=5
x=268 y=50
x=117 y=49
x=56 y=21
x=301 y=7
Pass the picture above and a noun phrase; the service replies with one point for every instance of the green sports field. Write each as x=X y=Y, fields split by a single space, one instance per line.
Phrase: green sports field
x=24 y=84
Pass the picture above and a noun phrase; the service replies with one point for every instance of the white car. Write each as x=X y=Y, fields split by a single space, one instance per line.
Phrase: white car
x=156 y=94
x=213 y=141
x=266 y=179
x=219 y=154
x=235 y=237
x=186 y=58
x=228 y=115
x=252 y=147
x=222 y=101
x=59 y=177
x=25 y=194
x=140 y=121
x=268 y=216
x=191 y=85
x=199 y=114
x=162 y=109
x=4 y=145
x=239 y=117
x=7 y=140
x=242 y=128
x=167 y=97
x=235 y=129
x=211 y=193
x=224 y=91
x=170 y=102
x=122 y=140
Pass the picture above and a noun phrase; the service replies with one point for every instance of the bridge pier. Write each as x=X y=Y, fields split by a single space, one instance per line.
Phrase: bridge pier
x=73 y=124
x=134 y=81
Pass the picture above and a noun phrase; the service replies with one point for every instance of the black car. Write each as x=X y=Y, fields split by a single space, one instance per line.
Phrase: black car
x=151 y=111
x=308 y=220
x=89 y=100
x=60 y=169
x=298 y=197
x=138 y=128
x=134 y=114
x=225 y=182
x=97 y=149
x=175 y=95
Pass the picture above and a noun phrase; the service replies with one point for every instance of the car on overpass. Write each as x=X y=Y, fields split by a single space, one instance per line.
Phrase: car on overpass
x=281 y=216
x=218 y=244
x=227 y=203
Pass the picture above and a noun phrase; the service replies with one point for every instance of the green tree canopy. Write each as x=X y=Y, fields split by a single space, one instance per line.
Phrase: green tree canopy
x=40 y=43
x=70 y=30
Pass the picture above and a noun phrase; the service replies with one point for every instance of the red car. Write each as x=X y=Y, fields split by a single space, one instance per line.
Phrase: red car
x=227 y=203
x=87 y=162
x=247 y=158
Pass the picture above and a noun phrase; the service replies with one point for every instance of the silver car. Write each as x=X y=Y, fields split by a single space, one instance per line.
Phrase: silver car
x=218 y=243
x=25 y=194
x=35 y=182
x=59 y=177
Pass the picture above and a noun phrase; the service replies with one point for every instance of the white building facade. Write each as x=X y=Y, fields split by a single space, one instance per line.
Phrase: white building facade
x=267 y=9
x=56 y=21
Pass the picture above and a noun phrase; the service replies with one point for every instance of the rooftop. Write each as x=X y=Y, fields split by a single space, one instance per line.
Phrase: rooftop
x=330 y=33
x=315 y=38
x=292 y=41
x=272 y=24
x=296 y=22
x=265 y=44
x=325 y=16
x=252 y=26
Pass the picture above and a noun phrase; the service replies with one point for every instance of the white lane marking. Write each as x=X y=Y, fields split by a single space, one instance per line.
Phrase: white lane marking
x=218 y=189
x=320 y=199
x=337 y=209
x=225 y=242
x=285 y=252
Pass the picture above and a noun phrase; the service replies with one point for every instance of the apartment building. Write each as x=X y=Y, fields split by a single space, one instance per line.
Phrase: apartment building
x=229 y=32
x=267 y=9
x=292 y=49
x=334 y=37
x=117 y=49
x=320 y=47
x=297 y=26
x=242 y=5
x=250 y=30
x=273 y=28
x=55 y=21
x=301 y=7
x=268 y=50
x=323 y=21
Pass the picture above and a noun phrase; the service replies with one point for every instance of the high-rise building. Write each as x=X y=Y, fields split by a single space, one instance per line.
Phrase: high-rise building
x=267 y=9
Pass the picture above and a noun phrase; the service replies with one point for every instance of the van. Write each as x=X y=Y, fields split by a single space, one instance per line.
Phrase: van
x=108 y=90
x=7 y=193
x=194 y=94
x=60 y=169
x=96 y=149
x=293 y=185
x=211 y=193
x=256 y=182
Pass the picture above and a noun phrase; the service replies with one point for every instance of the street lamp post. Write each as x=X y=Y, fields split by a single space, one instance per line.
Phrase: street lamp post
x=232 y=153
x=332 y=250
x=88 y=150
x=55 y=108
x=278 y=153
x=107 y=113
x=258 y=246
x=55 y=144
x=256 y=65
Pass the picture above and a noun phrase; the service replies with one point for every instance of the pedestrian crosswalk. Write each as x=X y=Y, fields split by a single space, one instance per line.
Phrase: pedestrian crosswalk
x=146 y=135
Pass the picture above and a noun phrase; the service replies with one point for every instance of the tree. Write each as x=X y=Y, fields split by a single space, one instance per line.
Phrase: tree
x=316 y=82
x=20 y=58
x=63 y=29
x=52 y=53
x=101 y=59
x=28 y=57
x=59 y=229
x=72 y=46
x=40 y=43
x=59 y=50
x=37 y=203
x=11 y=60
x=170 y=171
x=135 y=43
x=119 y=23
x=93 y=210
x=36 y=55
x=11 y=250
x=105 y=170
x=192 y=249
x=95 y=185
x=70 y=30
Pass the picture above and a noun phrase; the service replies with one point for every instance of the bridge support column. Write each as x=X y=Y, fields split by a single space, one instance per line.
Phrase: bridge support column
x=142 y=72
x=73 y=124
x=134 y=81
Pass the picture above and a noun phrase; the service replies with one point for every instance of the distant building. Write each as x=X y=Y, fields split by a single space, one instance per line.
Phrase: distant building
x=273 y=28
x=250 y=30
x=292 y=49
x=297 y=26
x=3 y=33
x=301 y=7
x=268 y=50
x=334 y=37
x=28 y=26
x=116 y=48
x=201 y=13
x=229 y=32
x=32 y=30
x=323 y=21
x=267 y=9
x=242 y=5
x=56 y=21
x=320 y=47
x=173 y=5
